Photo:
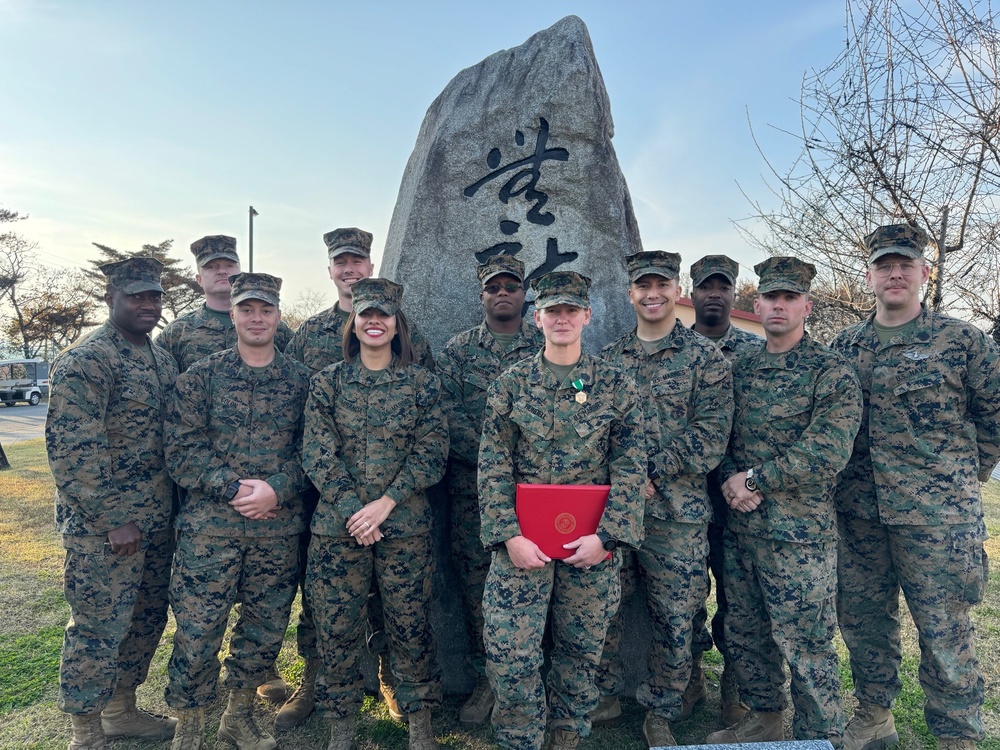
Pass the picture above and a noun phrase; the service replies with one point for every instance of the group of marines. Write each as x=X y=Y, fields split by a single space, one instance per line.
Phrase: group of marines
x=814 y=483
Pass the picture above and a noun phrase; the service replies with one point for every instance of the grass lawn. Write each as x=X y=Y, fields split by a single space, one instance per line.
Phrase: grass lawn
x=33 y=613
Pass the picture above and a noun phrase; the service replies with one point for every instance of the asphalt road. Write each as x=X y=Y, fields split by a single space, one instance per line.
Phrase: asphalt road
x=21 y=422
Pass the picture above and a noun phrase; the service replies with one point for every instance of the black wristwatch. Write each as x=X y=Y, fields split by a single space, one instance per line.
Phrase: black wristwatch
x=750 y=483
x=609 y=544
x=231 y=491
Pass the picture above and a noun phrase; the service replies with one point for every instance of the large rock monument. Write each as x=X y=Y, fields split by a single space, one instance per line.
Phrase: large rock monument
x=515 y=157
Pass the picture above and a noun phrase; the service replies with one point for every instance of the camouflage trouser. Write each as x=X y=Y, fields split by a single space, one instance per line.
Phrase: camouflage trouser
x=212 y=573
x=703 y=639
x=782 y=608
x=515 y=606
x=674 y=576
x=118 y=609
x=472 y=563
x=305 y=631
x=610 y=675
x=338 y=581
x=942 y=571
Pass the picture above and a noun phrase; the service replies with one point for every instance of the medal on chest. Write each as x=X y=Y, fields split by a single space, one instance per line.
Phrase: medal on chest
x=581 y=397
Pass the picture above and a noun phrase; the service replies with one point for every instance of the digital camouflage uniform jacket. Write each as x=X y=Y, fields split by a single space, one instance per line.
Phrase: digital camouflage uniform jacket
x=373 y=433
x=794 y=423
x=228 y=423
x=535 y=432
x=197 y=334
x=736 y=342
x=468 y=365
x=104 y=435
x=318 y=342
x=686 y=387
x=930 y=431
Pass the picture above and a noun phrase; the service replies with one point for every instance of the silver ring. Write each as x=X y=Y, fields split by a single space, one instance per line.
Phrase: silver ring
x=586 y=567
x=367 y=525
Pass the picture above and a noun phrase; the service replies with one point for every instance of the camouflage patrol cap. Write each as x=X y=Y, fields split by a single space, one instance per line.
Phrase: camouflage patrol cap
x=784 y=274
x=214 y=246
x=348 y=240
x=500 y=264
x=667 y=265
x=134 y=275
x=896 y=239
x=381 y=294
x=714 y=265
x=561 y=288
x=260 y=286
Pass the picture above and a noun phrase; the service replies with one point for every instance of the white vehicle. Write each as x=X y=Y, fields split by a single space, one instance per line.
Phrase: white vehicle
x=23 y=380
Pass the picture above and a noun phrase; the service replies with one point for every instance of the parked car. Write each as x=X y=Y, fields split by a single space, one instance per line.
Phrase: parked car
x=23 y=380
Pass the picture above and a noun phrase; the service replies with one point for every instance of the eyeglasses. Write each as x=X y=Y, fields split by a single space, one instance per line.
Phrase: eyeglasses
x=906 y=267
x=510 y=287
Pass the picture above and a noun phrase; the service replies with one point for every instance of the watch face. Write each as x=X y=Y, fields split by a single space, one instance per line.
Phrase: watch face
x=750 y=485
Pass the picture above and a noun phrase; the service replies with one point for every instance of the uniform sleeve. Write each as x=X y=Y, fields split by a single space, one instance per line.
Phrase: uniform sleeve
x=294 y=347
x=321 y=446
x=824 y=447
x=497 y=488
x=463 y=432
x=984 y=402
x=77 y=442
x=700 y=446
x=169 y=340
x=282 y=336
x=421 y=349
x=191 y=459
x=428 y=445
x=623 y=514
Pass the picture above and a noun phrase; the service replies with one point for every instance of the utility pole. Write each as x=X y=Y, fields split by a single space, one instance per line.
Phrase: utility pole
x=253 y=213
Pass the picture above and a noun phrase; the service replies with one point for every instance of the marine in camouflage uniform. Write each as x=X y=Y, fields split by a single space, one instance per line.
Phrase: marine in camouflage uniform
x=713 y=280
x=209 y=329
x=233 y=442
x=468 y=365
x=798 y=408
x=318 y=343
x=374 y=437
x=583 y=426
x=104 y=437
x=687 y=388
x=908 y=504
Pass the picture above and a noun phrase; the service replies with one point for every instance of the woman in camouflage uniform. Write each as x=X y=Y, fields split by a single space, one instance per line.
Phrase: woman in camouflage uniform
x=375 y=439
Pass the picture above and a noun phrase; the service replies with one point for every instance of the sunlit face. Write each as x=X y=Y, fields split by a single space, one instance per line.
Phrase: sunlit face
x=503 y=298
x=654 y=297
x=136 y=314
x=256 y=322
x=348 y=268
x=782 y=312
x=213 y=277
x=896 y=280
x=713 y=300
x=562 y=324
x=374 y=328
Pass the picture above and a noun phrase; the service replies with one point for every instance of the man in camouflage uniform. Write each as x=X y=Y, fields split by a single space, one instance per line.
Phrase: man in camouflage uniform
x=686 y=386
x=317 y=343
x=233 y=441
x=798 y=408
x=209 y=329
x=560 y=417
x=470 y=362
x=104 y=436
x=713 y=280
x=909 y=505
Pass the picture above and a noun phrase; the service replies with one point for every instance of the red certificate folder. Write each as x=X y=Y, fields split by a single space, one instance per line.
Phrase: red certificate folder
x=551 y=515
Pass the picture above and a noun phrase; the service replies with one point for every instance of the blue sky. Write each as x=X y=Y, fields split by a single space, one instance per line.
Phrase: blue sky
x=127 y=123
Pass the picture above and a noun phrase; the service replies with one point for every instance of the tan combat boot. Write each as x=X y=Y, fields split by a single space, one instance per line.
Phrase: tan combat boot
x=123 y=719
x=273 y=688
x=763 y=726
x=341 y=734
x=421 y=734
x=956 y=744
x=695 y=693
x=387 y=686
x=88 y=734
x=479 y=707
x=303 y=701
x=190 y=731
x=657 y=732
x=608 y=712
x=870 y=728
x=238 y=727
x=563 y=739
x=733 y=708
